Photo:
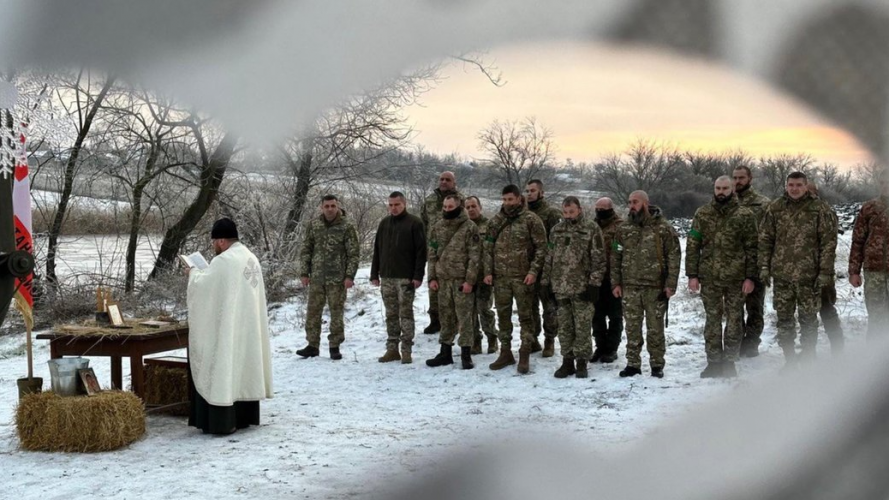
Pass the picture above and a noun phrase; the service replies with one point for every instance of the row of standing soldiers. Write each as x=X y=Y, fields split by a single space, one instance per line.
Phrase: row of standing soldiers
x=584 y=272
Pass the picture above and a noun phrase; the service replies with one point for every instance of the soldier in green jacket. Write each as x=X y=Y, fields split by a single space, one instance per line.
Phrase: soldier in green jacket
x=644 y=272
x=329 y=261
x=797 y=249
x=514 y=253
x=720 y=262
x=483 y=308
x=550 y=325
x=454 y=254
x=754 y=303
x=430 y=213
x=575 y=266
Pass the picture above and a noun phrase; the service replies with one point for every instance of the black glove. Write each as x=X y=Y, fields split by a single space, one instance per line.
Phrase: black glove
x=590 y=294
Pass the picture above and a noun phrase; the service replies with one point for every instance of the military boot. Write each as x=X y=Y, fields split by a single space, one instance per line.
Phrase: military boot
x=713 y=370
x=466 y=358
x=505 y=359
x=524 y=359
x=335 y=353
x=406 y=357
x=567 y=367
x=443 y=357
x=749 y=348
x=609 y=357
x=535 y=346
x=791 y=360
x=477 y=345
x=581 y=371
x=657 y=372
x=391 y=355
x=597 y=355
x=549 y=347
x=630 y=371
x=308 y=351
x=492 y=344
x=434 y=326
x=729 y=370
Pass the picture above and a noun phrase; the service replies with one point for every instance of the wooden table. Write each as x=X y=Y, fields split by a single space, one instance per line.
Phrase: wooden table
x=134 y=345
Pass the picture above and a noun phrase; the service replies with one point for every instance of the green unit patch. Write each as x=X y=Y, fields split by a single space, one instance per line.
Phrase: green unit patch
x=694 y=233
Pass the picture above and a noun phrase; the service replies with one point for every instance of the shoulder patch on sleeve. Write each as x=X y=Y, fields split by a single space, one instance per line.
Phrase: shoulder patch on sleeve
x=694 y=233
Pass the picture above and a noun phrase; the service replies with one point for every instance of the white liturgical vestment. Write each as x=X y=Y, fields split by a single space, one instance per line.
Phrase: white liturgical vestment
x=228 y=344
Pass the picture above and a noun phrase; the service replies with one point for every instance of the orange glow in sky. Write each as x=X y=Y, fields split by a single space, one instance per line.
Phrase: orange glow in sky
x=597 y=99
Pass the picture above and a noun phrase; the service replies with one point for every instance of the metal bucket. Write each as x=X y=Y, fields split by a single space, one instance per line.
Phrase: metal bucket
x=64 y=374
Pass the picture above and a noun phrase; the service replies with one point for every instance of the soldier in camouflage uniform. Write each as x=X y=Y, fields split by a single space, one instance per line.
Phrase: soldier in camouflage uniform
x=754 y=303
x=454 y=256
x=608 y=320
x=720 y=262
x=483 y=307
x=870 y=250
x=399 y=258
x=828 y=312
x=430 y=213
x=329 y=261
x=644 y=272
x=575 y=265
x=550 y=324
x=514 y=253
x=797 y=248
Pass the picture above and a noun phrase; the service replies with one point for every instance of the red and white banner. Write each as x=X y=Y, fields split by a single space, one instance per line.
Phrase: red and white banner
x=21 y=213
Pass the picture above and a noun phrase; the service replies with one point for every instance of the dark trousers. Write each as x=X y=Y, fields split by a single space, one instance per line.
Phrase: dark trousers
x=608 y=322
x=830 y=319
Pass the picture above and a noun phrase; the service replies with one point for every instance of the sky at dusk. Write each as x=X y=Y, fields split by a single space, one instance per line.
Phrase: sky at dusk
x=597 y=99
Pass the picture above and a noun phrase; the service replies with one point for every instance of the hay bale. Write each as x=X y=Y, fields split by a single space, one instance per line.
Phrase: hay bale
x=107 y=421
x=166 y=386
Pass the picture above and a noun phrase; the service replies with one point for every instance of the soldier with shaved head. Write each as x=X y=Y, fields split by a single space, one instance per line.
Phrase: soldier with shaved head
x=720 y=262
x=644 y=272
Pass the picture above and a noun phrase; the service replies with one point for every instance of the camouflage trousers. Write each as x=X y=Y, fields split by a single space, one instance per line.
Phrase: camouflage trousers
x=550 y=319
x=433 y=305
x=608 y=321
x=723 y=302
x=398 y=300
x=876 y=299
x=505 y=291
x=483 y=311
x=642 y=304
x=829 y=317
x=334 y=295
x=455 y=312
x=575 y=320
x=804 y=299
x=754 y=303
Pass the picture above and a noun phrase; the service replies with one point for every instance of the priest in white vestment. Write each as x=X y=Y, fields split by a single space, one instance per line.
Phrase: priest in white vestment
x=228 y=345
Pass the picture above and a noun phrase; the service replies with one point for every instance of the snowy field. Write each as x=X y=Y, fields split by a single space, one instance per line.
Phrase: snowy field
x=341 y=429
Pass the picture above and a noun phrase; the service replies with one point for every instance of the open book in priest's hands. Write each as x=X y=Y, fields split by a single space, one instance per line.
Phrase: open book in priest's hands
x=194 y=261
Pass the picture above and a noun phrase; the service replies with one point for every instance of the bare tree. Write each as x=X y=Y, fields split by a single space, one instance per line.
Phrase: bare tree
x=517 y=149
x=145 y=149
x=82 y=99
x=773 y=171
x=646 y=165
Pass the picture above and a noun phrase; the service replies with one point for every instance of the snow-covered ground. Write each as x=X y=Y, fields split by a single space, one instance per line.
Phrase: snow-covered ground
x=340 y=429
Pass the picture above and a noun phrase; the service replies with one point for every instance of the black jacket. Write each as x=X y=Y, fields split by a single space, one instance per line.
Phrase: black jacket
x=399 y=248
